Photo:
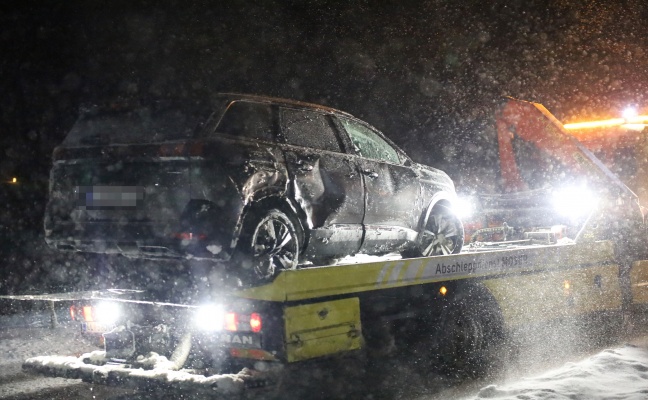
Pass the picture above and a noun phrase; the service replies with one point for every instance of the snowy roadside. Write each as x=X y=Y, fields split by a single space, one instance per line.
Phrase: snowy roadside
x=26 y=335
x=619 y=373
x=18 y=344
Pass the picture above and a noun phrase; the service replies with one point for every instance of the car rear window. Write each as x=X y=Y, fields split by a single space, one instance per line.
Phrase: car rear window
x=121 y=124
x=248 y=120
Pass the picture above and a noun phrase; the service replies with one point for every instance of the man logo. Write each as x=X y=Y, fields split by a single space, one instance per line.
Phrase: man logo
x=237 y=339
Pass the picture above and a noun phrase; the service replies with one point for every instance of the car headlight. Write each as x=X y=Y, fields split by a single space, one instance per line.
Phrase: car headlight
x=575 y=201
x=209 y=318
x=107 y=312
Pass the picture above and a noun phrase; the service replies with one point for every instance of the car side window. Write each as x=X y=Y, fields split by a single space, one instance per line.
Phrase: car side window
x=308 y=129
x=248 y=120
x=368 y=144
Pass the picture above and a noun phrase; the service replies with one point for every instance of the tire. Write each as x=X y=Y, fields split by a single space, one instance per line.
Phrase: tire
x=443 y=234
x=269 y=243
x=470 y=334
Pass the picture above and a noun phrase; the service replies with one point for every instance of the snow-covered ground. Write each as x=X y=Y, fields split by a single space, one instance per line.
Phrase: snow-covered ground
x=615 y=373
x=619 y=371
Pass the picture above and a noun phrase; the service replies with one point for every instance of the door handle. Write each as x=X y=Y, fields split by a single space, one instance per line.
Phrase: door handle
x=370 y=173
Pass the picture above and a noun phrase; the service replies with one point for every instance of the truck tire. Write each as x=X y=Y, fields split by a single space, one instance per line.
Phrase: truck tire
x=470 y=333
x=268 y=244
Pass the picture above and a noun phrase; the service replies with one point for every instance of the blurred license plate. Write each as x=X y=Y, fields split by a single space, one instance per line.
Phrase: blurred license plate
x=97 y=197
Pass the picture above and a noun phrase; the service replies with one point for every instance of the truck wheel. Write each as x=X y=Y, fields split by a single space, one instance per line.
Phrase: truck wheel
x=443 y=234
x=269 y=243
x=470 y=334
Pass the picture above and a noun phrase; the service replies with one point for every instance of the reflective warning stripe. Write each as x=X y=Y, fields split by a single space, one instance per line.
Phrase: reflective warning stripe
x=312 y=283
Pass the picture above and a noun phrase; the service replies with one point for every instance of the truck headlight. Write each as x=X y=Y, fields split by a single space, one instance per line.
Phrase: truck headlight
x=575 y=201
x=209 y=318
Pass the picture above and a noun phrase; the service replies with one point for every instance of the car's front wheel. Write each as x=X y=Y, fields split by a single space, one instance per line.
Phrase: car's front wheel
x=269 y=243
x=443 y=234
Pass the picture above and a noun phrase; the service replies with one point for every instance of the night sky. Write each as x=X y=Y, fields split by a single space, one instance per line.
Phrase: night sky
x=429 y=74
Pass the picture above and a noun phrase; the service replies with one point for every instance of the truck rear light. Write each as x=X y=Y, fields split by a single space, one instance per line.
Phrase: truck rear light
x=214 y=318
x=237 y=322
x=88 y=315
x=255 y=322
x=231 y=321
x=81 y=313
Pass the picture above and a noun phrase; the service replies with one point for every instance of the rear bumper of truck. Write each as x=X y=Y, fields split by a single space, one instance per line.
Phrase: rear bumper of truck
x=93 y=369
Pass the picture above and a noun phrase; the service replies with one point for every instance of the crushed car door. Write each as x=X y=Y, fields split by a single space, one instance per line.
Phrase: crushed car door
x=326 y=183
x=392 y=208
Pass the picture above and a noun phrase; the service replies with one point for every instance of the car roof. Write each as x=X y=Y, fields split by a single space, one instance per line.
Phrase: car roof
x=281 y=101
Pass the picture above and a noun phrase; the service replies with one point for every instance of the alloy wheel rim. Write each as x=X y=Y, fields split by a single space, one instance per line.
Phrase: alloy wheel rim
x=274 y=247
x=440 y=236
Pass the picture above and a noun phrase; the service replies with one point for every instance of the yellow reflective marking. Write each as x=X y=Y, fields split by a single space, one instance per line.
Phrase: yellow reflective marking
x=381 y=276
x=395 y=273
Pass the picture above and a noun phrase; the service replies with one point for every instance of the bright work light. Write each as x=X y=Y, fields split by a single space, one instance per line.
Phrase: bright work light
x=575 y=201
x=464 y=207
x=107 y=312
x=209 y=317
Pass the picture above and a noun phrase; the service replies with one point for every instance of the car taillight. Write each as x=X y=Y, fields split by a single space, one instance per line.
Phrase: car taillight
x=73 y=313
x=190 y=236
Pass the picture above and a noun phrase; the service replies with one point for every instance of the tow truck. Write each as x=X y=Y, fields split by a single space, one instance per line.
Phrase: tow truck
x=465 y=310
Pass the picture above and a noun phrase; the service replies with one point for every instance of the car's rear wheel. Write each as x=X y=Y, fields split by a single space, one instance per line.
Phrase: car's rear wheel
x=269 y=243
x=443 y=234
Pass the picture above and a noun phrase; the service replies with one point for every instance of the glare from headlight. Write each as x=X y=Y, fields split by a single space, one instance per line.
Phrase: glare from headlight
x=464 y=207
x=574 y=201
x=107 y=312
x=209 y=317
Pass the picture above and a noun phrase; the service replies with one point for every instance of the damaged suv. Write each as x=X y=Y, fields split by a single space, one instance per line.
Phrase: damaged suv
x=262 y=183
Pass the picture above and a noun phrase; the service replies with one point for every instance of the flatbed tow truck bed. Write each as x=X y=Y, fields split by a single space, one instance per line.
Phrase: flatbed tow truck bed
x=320 y=312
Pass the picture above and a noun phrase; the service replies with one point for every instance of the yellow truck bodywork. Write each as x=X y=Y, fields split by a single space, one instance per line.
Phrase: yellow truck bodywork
x=529 y=284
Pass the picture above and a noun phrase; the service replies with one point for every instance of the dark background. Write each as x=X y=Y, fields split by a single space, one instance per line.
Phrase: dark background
x=428 y=73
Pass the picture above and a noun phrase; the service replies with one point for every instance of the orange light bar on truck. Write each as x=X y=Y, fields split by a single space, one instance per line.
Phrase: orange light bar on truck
x=607 y=123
